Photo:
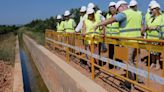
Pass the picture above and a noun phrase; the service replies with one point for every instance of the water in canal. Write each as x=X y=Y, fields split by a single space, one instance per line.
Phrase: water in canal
x=31 y=77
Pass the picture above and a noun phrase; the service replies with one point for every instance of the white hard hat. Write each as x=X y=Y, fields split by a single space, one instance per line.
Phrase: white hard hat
x=133 y=3
x=83 y=9
x=91 y=5
x=155 y=5
x=119 y=3
x=90 y=11
x=152 y=2
x=59 y=17
x=99 y=11
x=148 y=10
x=112 y=4
x=67 y=13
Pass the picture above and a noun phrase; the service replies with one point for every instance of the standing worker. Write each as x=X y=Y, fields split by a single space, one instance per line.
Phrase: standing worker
x=112 y=29
x=148 y=14
x=154 y=32
x=82 y=12
x=88 y=31
x=60 y=28
x=98 y=18
x=82 y=15
x=130 y=26
x=60 y=24
x=69 y=26
x=69 y=23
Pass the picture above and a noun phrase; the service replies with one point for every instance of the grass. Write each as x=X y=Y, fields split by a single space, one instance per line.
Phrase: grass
x=7 y=47
x=38 y=36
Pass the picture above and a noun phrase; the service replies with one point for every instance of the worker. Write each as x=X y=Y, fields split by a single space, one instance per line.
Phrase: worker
x=97 y=12
x=88 y=29
x=130 y=26
x=82 y=19
x=82 y=12
x=101 y=31
x=148 y=14
x=69 y=27
x=102 y=45
x=99 y=18
x=69 y=23
x=60 y=28
x=154 y=32
x=112 y=29
x=60 y=24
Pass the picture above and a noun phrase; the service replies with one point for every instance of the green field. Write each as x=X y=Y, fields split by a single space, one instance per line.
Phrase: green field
x=7 y=47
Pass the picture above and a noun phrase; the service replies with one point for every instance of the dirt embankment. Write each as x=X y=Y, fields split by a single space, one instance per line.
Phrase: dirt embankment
x=6 y=79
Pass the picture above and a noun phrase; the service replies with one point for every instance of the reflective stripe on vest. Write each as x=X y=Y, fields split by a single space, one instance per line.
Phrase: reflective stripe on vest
x=92 y=33
x=69 y=28
x=112 y=27
x=112 y=32
x=153 y=36
x=130 y=30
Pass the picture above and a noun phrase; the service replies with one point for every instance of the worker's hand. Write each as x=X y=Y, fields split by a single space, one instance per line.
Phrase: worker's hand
x=83 y=34
x=152 y=28
x=95 y=28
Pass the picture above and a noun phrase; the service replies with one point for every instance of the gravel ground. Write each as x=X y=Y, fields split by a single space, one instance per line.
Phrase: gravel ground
x=6 y=78
x=110 y=82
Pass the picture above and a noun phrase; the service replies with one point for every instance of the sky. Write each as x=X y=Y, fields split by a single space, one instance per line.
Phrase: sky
x=24 y=11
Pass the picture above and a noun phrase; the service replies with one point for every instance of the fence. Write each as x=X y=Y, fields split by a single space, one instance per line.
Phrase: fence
x=74 y=44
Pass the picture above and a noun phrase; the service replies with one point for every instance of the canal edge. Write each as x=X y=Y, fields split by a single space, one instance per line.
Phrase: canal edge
x=18 y=77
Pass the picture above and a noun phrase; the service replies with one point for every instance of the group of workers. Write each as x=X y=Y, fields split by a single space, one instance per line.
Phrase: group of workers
x=122 y=20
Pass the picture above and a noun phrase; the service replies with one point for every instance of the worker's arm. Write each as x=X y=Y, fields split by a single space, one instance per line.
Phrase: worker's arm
x=152 y=28
x=142 y=30
x=104 y=23
x=117 y=18
x=84 y=29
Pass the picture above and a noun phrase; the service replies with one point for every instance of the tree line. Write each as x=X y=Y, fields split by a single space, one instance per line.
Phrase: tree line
x=39 y=25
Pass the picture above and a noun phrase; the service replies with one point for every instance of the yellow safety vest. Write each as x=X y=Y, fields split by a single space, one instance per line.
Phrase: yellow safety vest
x=81 y=17
x=147 y=17
x=90 y=29
x=155 y=22
x=162 y=26
x=68 y=25
x=60 y=26
x=112 y=29
x=133 y=24
x=98 y=17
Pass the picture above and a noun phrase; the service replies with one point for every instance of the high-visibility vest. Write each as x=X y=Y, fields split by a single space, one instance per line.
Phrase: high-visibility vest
x=133 y=24
x=98 y=17
x=60 y=26
x=90 y=29
x=147 y=17
x=162 y=26
x=81 y=17
x=68 y=25
x=98 y=20
x=155 y=22
x=112 y=29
